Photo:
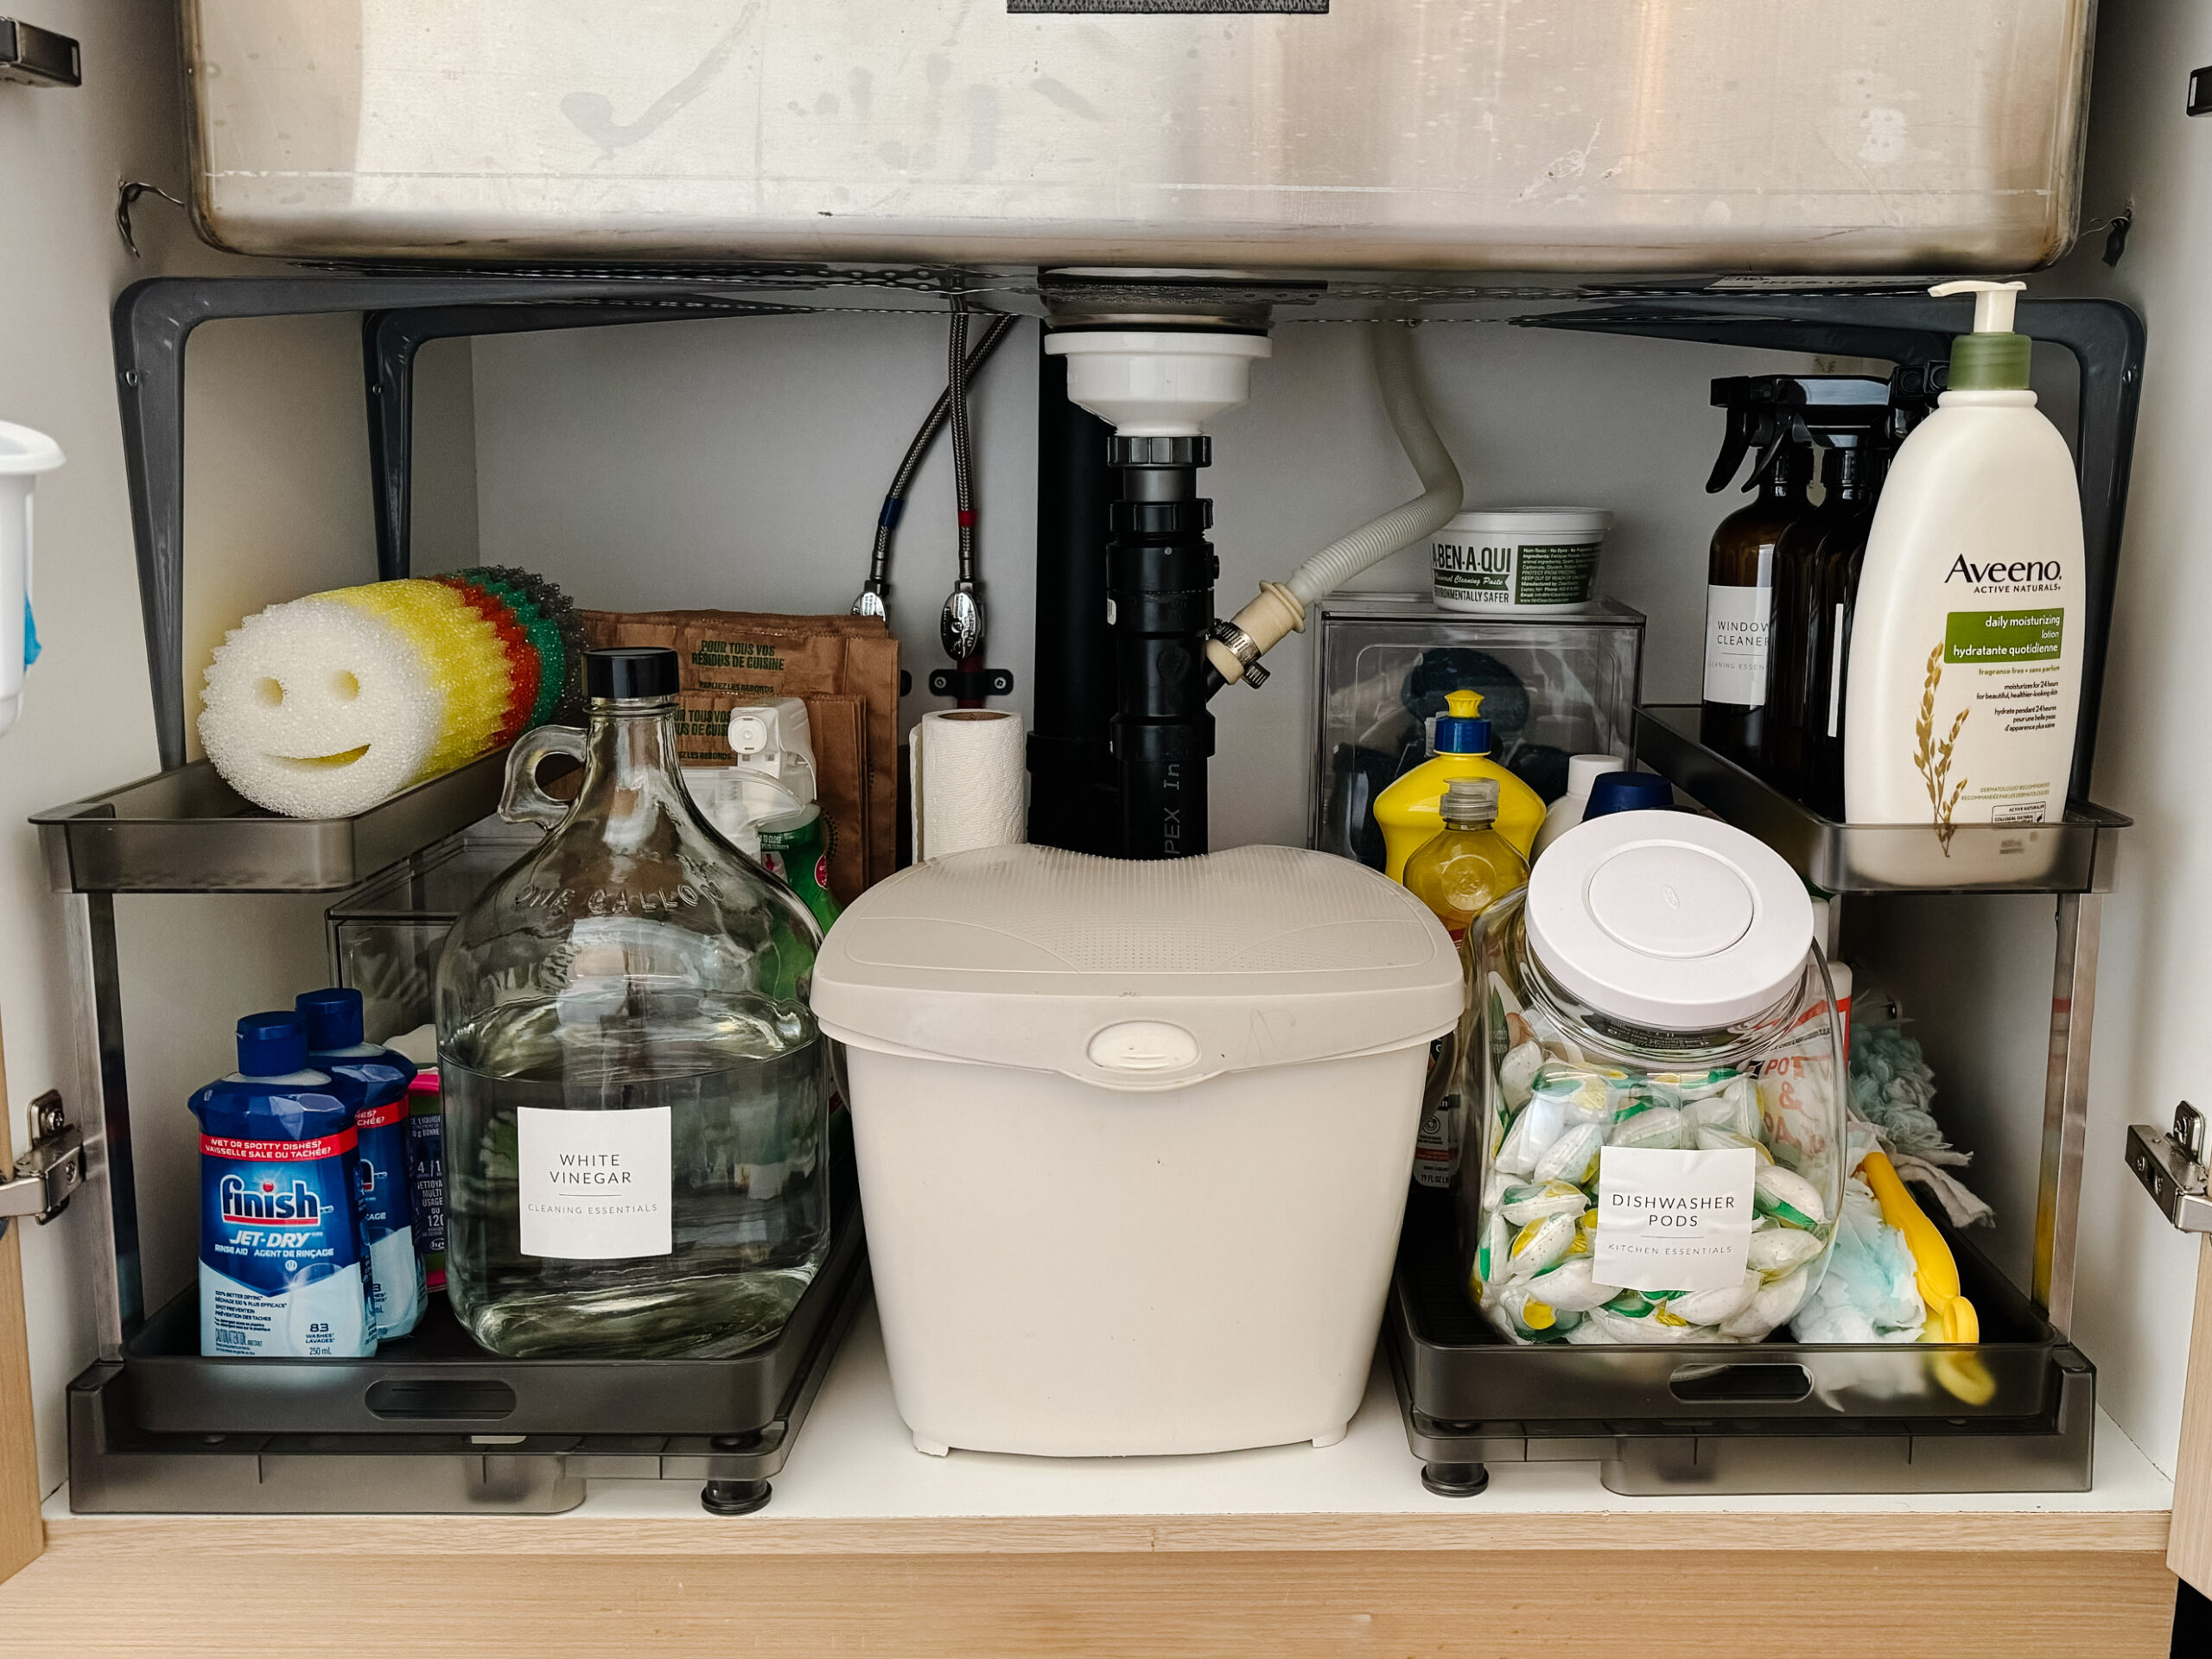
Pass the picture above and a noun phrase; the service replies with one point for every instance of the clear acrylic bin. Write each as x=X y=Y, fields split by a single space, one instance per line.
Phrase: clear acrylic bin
x=1552 y=686
x=386 y=934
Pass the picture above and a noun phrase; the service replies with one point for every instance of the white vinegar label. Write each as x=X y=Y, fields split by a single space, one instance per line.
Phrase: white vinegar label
x=1674 y=1220
x=1736 y=620
x=595 y=1185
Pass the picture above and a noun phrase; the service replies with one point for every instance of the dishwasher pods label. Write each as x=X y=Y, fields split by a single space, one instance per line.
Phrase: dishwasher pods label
x=595 y=1185
x=1674 y=1220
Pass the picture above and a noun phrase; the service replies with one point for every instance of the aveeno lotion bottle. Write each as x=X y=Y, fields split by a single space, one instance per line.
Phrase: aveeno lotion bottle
x=1965 y=665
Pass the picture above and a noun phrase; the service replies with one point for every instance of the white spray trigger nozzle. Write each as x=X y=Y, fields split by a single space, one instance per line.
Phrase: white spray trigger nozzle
x=1993 y=303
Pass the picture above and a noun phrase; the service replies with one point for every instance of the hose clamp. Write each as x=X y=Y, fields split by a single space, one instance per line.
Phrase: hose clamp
x=1243 y=647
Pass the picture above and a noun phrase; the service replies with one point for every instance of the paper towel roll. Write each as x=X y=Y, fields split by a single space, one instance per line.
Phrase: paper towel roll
x=970 y=781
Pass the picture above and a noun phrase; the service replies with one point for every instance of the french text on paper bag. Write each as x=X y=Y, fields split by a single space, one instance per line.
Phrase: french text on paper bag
x=1674 y=1220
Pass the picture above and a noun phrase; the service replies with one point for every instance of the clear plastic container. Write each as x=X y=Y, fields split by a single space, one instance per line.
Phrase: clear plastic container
x=1655 y=1072
x=634 y=1084
x=1552 y=687
x=386 y=934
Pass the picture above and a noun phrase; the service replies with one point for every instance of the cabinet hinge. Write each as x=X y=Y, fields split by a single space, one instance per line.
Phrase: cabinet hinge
x=2171 y=1168
x=48 y=1175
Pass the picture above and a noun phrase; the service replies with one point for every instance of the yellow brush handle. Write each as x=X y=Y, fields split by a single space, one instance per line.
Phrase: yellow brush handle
x=1951 y=1317
x=1938 y=1273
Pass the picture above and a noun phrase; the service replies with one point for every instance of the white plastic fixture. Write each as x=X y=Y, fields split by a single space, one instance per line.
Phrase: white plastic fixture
x=23 y=455
x=1669 y=920
x=774 y=772
x=1134 y=1138
x=773 y=737
x=1158 y=385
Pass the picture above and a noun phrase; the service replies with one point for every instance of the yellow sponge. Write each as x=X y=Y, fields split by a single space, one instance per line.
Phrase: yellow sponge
x=324 y=706
x=463 y=658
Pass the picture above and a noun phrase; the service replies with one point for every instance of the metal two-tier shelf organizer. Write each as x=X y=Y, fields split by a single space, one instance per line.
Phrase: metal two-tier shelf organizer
x=431 y=1424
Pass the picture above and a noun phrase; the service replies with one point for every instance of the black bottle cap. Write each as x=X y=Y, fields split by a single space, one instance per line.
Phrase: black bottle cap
x=631 y=672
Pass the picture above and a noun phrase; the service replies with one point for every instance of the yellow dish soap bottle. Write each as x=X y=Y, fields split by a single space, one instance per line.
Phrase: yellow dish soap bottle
x=1459 y=874
x=1460 y=748
x=1467 y=867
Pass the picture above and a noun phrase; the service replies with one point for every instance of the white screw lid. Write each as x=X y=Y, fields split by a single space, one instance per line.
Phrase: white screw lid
x=1531 y=521
x=1584 y=770
x=1470 y=800
x=1669 y=920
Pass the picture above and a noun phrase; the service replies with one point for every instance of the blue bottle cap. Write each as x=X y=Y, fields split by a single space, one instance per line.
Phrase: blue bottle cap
x=332 y=1019
x=270 y=1045
x=1627 y=792
x=1461 y=731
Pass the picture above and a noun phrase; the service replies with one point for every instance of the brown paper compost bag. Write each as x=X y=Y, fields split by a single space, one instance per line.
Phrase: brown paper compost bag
x=747 y=656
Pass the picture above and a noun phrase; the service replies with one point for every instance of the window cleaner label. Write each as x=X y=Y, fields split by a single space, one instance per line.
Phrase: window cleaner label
x=595 y=1185
x=280 y=1252
x=1736 y=625
x=1674 y=1220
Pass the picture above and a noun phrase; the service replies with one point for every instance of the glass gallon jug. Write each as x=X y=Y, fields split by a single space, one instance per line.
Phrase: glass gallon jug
x=1657 y=1151
x=634 y=1083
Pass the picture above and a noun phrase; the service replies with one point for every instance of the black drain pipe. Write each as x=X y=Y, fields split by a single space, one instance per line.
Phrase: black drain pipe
x=1075 y=794
x=1160 y=574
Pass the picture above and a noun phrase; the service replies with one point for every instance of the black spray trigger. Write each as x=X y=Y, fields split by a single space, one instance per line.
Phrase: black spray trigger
x=1732 y=448
x=1778 y=435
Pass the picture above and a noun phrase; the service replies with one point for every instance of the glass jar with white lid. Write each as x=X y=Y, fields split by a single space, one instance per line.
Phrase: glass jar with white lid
x=1658 y=1086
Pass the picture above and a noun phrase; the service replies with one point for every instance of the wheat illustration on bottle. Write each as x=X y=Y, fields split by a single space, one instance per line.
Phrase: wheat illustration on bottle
x=1965 y=662
x=1934 y=758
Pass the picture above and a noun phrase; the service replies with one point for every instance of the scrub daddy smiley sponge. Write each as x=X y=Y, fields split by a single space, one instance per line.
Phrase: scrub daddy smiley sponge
x=324 y=706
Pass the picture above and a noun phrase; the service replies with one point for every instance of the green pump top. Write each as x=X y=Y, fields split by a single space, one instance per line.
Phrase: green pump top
x=1992 y=358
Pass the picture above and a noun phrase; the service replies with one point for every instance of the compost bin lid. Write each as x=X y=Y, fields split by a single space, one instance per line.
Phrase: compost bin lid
x=1137 y=975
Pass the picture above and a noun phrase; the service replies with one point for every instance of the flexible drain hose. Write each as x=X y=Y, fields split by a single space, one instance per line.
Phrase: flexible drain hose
x=1280 y=607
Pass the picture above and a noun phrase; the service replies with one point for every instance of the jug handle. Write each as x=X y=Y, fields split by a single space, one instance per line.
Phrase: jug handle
x=522 y=801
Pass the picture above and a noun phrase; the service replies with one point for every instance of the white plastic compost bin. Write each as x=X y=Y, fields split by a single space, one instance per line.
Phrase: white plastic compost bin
x=1134 y=1139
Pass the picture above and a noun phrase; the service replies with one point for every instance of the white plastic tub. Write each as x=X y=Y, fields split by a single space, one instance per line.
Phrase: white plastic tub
x=1134 y=1139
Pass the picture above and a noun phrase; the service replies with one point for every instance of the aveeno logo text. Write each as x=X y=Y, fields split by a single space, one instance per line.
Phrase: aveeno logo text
x=2014 y=570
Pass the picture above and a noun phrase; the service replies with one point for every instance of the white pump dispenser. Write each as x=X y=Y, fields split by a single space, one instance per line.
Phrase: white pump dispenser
x=1965 y=660
x=1993 y=303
